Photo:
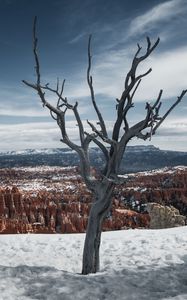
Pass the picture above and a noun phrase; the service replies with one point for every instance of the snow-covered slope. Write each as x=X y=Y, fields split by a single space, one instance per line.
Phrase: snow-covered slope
x=136 y=158
x=44 y=151
x=139 y=148
x=135 y=264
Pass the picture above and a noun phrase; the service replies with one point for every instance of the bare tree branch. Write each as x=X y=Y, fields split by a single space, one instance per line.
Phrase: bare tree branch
x=35 y=43
x=152 y=119
x=90 y=84
x=100 y=134
x=93 y=137
x=130 y=83
x=102 y=186
x=58 y=113
x=169 y=110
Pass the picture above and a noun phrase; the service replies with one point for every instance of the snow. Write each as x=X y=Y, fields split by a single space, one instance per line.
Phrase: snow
x=142 y=148
x=40 y=178
x=135 y=264
x=38 y=151
x=165 y=170
x=44 y=169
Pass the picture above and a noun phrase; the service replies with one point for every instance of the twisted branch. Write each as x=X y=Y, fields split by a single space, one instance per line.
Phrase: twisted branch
x=90 y=84
x=117 y=145
x=131 y=82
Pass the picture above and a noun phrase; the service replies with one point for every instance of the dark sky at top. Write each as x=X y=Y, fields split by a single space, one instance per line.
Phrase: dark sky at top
x=63 y=30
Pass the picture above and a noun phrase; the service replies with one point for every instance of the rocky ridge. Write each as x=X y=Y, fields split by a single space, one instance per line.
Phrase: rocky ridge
x=136 y=158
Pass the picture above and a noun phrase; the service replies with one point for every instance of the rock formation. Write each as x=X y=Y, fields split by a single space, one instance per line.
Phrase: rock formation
x=55 y=200
x=164 y=216
x=48 y=212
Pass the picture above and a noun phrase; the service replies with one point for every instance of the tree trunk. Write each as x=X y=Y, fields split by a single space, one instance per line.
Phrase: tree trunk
x=98 y=212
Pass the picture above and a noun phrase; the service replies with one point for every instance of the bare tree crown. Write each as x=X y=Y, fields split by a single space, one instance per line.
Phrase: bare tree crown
x=112 y=147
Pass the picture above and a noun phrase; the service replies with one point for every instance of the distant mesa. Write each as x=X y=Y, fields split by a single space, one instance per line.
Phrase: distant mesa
x=136 y=158
x=51 y=151
x=44 y=151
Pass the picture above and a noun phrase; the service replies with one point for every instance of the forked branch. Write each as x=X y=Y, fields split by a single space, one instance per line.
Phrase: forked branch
x=131 y=85
x=90 y=84
x=58 y=112
x=122 y=132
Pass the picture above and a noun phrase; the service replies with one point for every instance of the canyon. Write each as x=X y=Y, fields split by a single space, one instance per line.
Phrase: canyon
x=55 y=200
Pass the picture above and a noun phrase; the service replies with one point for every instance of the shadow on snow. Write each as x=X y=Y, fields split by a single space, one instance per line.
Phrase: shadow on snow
x=143 y=283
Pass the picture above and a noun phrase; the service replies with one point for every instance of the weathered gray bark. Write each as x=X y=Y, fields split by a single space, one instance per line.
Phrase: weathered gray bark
x=113 y=148
x=98 y=212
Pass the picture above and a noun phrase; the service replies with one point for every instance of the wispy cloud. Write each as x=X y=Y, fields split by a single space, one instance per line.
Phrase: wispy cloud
x=39 y=135
x=24 y=135
x=23 y=102
x=114 y=44
x=172 y=135
x=16 y=111
x=159 y=13
x=77 y=38
x=177 y=126
x=169 y=73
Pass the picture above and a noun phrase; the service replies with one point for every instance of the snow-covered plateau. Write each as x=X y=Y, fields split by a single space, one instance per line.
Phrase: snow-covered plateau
x=135 y=265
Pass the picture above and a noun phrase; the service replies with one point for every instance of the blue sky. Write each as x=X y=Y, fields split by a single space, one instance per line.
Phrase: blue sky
x=63 y=30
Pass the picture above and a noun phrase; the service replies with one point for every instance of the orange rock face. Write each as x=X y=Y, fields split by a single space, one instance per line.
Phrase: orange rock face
x=62 y=205
x=18 y=216
x=47 y=212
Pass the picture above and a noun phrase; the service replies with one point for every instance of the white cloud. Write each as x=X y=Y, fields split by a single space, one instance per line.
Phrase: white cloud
x=77 y=38
x=29 y=135
x=171 y=135
x=169 y=72
x=111 y=66
x=77 y=89
x=18 y=101
x=38 y=135
x=21 y=104
x=176 y=126
x=161 y=12
x=22 y=112
x=174 y=143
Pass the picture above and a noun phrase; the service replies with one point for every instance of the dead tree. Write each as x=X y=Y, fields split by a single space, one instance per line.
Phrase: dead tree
x=113 y=147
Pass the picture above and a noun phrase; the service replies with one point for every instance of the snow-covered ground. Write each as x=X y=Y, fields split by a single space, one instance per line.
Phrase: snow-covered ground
x=135 y=265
